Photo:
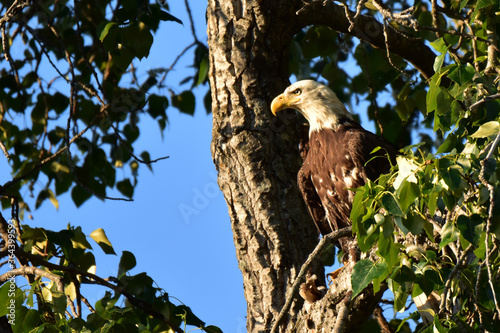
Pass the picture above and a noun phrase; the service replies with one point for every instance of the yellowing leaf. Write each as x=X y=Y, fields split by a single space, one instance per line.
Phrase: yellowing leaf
x=106 y=30
x=70 y=290
x=53 y=199
x=99 y=236
x=406 y=171
x=488 y=129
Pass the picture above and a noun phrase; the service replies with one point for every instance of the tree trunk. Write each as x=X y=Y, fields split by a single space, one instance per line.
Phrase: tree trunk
x=257 y=159
x=256 y=154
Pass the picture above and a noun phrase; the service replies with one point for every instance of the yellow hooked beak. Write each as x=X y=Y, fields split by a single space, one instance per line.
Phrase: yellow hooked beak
x=280 y=103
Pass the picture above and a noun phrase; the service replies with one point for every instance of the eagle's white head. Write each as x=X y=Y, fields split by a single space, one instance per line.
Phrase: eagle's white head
x=315 y=101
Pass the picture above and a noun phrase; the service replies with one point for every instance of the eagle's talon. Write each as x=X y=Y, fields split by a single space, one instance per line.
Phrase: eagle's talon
x=309 y=291
x=333 y=275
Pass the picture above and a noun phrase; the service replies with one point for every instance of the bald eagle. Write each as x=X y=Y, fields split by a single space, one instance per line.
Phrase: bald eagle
x=339 y=157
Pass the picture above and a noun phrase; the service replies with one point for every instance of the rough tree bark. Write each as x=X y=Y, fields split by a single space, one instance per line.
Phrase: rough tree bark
x=257 y=155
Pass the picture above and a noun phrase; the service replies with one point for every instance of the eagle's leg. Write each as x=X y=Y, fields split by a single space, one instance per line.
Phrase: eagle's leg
x=351 y=255
x=353 y=251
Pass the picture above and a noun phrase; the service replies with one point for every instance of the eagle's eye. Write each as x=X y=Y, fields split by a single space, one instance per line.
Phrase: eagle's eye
x=297 y=91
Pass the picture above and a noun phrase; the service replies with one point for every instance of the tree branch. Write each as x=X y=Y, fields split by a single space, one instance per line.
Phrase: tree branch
x=25 y=270
x=444 y=305
x=98 y=280
x=382 y=322
x=369 y=30
x=343 y=313
x=325 y=241
x=491 y=190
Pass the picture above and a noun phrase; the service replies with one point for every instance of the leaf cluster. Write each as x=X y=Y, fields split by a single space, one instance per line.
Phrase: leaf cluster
x=430 y=226
x=71 y=100
x=133 y=304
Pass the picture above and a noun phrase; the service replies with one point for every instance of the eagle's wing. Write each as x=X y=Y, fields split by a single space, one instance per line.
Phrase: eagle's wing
x=311 y=198
x=361 y=143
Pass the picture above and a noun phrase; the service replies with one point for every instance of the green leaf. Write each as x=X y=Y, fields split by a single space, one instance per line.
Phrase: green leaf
x=364 y=272
x=79 y=240
x=432 y=93
x=484 y=3
x=190 y=317
x=29 y=297
x=413 y=316
x=5 y=298
x=414 y=222
x=185 y=102
x=203 y=72
x=488 y=129
x=439 y=45
x=407 y=194
x=46 y=194
x=79 y=195
x=157 y=106
x=449 y=234
x=462 y=74
x=164 y=16
x=26 y=320
x=99 y=236
x=403 y=274
x=452 y=176
x=126 y=188
x=471 y=228
x=107 y=28
x=388 y=250
x=358 y=207
x=139 y=38
x=406 y=171
x=438 y=62
x=391 y=205
x=70 y=290
x=400 y=295
x=212 y=329
x=127 y=262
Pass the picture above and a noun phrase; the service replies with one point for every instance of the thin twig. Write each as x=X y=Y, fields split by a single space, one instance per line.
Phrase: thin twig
x=135 y=157
x=74 y=312
x=491 y=190
x=6 y=54
x=444 y=298
x=474 y=46
x=81 y=45
x=179 y=56
x=456 y=33
x=37 y=167
x=44 y=50
x=89 y=306
x=484 y=100
x=191 y=21
x=388 y=53
x=325 y=241
x=94 y=279
x=476 y=295
x=4 y=150
x=435 y=19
